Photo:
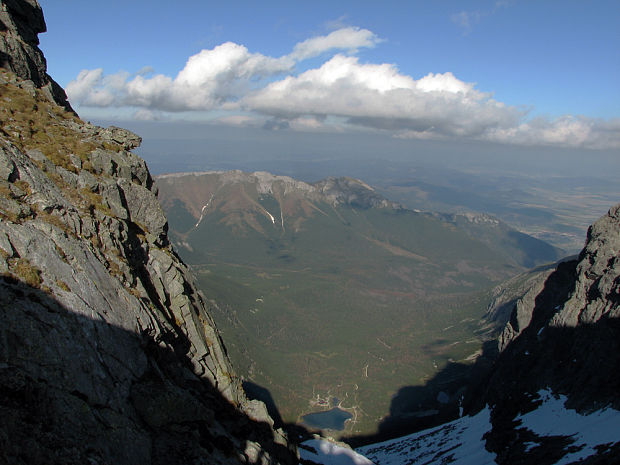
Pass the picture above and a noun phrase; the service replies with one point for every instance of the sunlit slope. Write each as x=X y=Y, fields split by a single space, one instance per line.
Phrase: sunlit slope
x=329 y=290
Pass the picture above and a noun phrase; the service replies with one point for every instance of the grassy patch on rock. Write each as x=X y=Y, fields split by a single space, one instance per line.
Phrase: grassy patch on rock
x=33 y=122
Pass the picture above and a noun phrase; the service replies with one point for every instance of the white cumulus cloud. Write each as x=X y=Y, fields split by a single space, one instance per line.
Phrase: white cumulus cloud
x=348 y=38
x=379 y=96
x=209 y=79
x=93 y=88
x=341 y=93
x=570 y=131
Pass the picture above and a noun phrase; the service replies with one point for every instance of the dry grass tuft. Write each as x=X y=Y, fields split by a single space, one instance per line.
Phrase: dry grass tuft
x=29 y=273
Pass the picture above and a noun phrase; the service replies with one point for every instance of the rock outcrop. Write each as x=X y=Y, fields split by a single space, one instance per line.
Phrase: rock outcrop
x=579 y=292
x=563 y=336
x=353 y=192
x=108 y=353
x=20 y=23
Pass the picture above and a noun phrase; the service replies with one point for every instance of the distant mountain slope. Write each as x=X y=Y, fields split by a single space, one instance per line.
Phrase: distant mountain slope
x=523 y=249
x=337 y=291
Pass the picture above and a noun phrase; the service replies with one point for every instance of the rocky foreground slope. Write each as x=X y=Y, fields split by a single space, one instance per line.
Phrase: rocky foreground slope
x=107 y=351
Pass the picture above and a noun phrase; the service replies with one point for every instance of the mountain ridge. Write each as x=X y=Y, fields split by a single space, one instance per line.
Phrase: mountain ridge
x=522 y=249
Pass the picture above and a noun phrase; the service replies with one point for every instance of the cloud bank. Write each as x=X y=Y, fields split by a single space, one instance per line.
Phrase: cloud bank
x=341 y=93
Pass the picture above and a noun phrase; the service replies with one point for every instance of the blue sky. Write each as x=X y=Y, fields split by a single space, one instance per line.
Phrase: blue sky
x=516 y=72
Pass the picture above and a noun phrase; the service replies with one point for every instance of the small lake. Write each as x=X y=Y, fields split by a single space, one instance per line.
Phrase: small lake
x=331 y=419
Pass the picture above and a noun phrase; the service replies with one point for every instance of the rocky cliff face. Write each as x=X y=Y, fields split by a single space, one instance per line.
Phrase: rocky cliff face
x=579 y=292
x=108 y=353
x=563 y=336
x=20 y=23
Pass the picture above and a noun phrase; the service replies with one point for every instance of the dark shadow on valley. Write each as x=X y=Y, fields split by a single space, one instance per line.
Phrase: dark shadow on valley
x=296 y=432
x=452 y=391
x=567 y=360
x=254 y=391
x=65 y=398
x=580 y=362
x=414 y=408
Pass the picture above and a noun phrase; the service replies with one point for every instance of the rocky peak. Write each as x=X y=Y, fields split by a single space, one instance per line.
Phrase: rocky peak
x=349 y=191
x=588 y=293
x=20 y=23
x=267 y=181
x=24 y=18
x=596 y=294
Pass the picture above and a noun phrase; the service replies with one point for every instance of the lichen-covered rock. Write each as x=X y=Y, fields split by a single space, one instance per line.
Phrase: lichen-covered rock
x=143 y=208
x=127 y=139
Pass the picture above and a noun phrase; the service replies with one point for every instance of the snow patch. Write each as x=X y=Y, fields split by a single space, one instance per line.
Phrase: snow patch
x=552 y=418
x=202 y=212
x=460 y=441
x=328 y=453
